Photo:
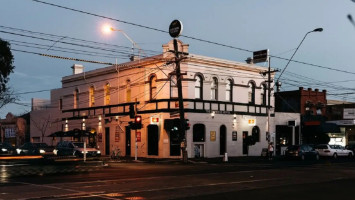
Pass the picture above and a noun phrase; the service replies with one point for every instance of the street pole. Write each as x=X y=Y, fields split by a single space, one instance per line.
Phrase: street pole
x=135 y=133
x=181 y=102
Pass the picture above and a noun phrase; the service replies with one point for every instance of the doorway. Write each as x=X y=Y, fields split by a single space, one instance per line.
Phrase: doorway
x=245 y=146
x=107 y=140
x=222 y=140
x=174 y=143
x=153 y=140
x=128 y=141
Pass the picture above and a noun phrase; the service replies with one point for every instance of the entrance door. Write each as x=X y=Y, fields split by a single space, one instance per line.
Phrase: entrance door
x=107 y=140
x=128 y=141
x=245 y=146
x=153 y=140
x=222 y=140
x=174 y=143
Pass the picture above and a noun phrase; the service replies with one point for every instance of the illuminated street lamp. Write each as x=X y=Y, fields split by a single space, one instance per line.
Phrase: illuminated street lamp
x=107 y=29
x=315 y=30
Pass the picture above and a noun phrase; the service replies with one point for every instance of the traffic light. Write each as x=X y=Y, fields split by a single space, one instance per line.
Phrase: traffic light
x=187 y=124
x=138 y=121
x=131 y=111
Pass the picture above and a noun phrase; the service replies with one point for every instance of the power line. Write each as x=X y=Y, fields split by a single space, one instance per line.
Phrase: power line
x=189 y=37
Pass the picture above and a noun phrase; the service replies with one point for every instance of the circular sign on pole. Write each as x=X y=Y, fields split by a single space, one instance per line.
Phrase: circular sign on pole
x=175 y=28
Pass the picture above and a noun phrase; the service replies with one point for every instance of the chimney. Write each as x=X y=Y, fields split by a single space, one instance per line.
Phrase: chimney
x=317 y=90
x=77 y=69
x=309 y=89
x=300 y=88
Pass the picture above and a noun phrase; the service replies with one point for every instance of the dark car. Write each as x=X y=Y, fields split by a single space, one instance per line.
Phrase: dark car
x=28 y=149
x=302 y=152
x=69 y=148
x=44 y=149
x=350 y=147
x=7 y=149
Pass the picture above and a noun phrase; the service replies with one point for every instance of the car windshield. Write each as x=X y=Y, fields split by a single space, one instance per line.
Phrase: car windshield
x=79 y=144
x=40 y=145
x=322 y=147
x=7 y=145
x=293 y=148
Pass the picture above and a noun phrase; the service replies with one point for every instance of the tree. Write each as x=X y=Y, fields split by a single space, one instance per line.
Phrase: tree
x=41 y=123
x=6 y=67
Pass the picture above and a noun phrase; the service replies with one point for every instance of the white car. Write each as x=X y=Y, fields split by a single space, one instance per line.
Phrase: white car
x=333 y=150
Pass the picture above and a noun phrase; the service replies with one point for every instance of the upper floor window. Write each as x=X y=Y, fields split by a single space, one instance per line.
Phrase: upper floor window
x=60 y=104
x=173 y=86
x=153 y=87
x=128 y=91
x=92 y=96
x=251 y=93
x=229 y=90
x=198 y=87
x=263 y=94
x=214 y=89
x=107 y=91
x=76 y=98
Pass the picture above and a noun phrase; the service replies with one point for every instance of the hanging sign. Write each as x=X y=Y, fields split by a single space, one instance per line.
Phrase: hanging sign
x=175 y=28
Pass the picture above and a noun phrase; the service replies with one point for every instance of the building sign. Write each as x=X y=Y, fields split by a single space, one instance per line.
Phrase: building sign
x=234 y=136
x=349 y=113
x=117 y=134
x=139 y=136
x=213 y=136
x=251 y=122
x=260 y=56
x=10 y=133
x=154 y=120
x=175 y=28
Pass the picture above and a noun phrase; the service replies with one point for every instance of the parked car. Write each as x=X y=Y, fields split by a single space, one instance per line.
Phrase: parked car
x=350 y=147
x=69 y=148
x=30 y=148
x=302 y=152
x=7 y=149
x=44 y=149
x=333 y=150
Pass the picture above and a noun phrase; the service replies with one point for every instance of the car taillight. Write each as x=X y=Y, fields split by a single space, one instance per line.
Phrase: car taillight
x=326 y=151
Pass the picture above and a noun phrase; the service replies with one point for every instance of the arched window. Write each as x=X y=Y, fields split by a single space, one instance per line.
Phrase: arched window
x=107 y=94
x=153 y=87
x=128 y=91
x=76 y=98
x=92 y=96
x=173 y=86
x=214 y=89
x=251 y=93
x=255 y=132
x=198 y=133
x=229 y=90
x=263 y=94
x=198 y=87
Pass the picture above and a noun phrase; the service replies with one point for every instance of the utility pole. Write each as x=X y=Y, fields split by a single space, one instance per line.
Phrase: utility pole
x=175 y=29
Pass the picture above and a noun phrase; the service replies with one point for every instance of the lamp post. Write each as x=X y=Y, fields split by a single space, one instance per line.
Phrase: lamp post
x=315 y=30
x=107 y=29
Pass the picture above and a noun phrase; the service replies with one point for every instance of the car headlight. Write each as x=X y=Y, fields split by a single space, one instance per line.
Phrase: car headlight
x=99 y=152
x=82 y=151
x=55 y=151
x=42 y=151
x=18 y=151
x=3 y=149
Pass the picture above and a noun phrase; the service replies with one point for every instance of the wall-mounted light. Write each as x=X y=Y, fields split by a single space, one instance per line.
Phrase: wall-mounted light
x=100 y=120
x=212 y=114
x=116 y=118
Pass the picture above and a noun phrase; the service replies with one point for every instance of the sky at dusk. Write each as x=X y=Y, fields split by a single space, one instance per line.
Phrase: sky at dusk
x=324 y=58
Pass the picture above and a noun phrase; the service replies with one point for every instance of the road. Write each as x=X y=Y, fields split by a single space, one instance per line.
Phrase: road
x=325 y=179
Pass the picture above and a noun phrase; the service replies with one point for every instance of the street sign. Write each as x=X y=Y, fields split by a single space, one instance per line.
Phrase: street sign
x=260 y=56
x=175 y=28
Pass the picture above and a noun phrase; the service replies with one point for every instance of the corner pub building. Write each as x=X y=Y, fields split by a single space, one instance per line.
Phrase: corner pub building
x=224 y=101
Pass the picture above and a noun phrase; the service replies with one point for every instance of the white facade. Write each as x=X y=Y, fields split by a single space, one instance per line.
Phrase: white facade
x=99 y=100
